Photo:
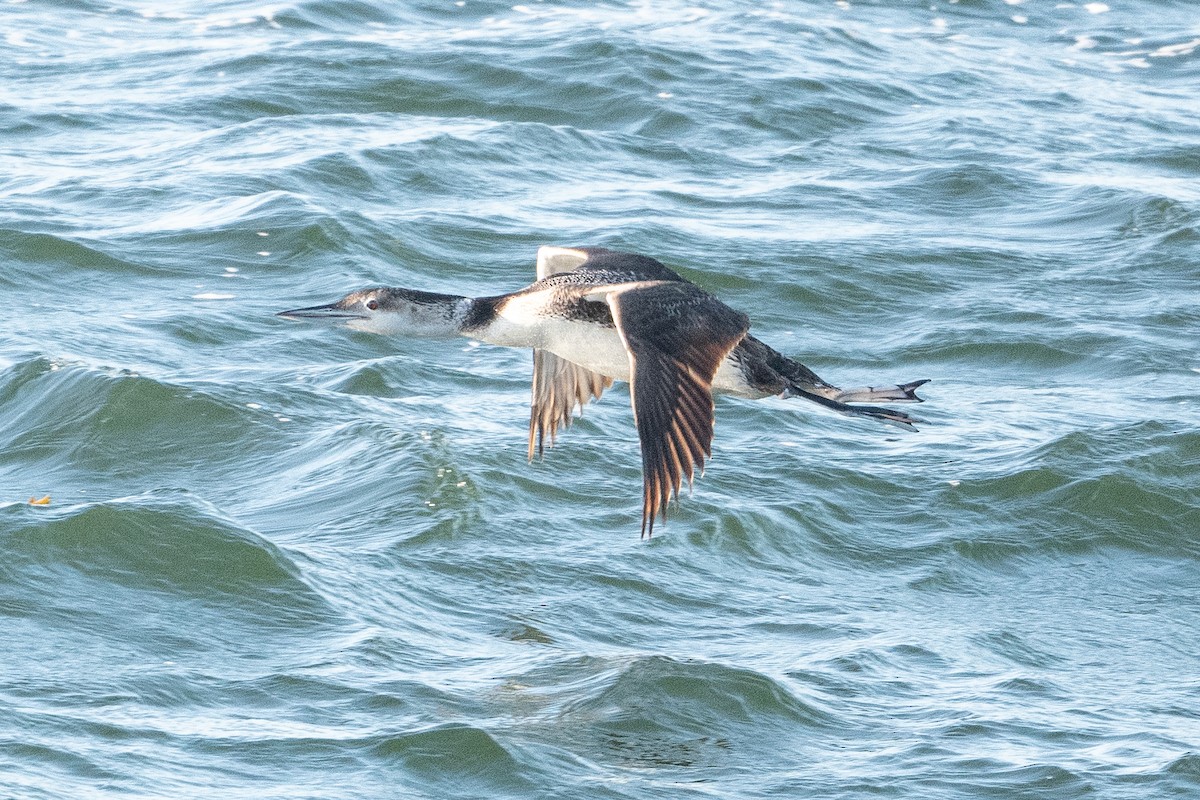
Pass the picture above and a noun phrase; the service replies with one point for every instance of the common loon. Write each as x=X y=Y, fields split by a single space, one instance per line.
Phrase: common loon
x=595 y=316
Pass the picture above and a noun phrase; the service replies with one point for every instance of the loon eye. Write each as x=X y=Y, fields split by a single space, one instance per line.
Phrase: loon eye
x=372 y=304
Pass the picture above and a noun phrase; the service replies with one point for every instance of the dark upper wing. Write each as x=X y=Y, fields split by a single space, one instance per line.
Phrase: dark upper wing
x=677 y=336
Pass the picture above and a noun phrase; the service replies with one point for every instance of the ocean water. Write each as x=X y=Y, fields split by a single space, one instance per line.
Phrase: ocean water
x=281 y=561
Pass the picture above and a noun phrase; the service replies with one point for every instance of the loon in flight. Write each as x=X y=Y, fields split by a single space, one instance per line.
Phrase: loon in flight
x=595 y=316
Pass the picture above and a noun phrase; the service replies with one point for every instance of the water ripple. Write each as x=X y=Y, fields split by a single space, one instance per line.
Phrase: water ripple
x=281 y=561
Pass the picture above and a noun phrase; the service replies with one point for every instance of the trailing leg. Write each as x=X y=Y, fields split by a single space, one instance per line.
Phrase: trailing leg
x=875 y=412
x=903 y=393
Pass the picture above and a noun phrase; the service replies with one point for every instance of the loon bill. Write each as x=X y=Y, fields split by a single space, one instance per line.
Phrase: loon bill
x=594 y=316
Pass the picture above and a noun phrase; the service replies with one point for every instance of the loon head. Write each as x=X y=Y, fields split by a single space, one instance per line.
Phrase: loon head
x=390 y=310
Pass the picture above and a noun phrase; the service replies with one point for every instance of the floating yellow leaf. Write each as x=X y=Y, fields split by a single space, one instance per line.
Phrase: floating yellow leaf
x=45 y=501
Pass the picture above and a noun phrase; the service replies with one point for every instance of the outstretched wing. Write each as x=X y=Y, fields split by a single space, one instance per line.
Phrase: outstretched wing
x=677 y=336
x=559 y=386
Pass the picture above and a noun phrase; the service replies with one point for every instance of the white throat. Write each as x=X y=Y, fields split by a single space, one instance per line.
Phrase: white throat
x=433 y=320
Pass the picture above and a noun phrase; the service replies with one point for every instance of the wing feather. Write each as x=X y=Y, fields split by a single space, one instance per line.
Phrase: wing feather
x=677 y=335
x=559 y=387
x=553 y=260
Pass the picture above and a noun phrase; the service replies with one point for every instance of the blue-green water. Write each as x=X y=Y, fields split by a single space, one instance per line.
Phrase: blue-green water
x=284 y=562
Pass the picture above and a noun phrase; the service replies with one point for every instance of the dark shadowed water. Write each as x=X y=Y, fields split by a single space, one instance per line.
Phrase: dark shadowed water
x=292 y=562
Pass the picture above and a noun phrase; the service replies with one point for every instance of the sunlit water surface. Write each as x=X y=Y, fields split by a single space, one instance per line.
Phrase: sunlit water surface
x=293 y=562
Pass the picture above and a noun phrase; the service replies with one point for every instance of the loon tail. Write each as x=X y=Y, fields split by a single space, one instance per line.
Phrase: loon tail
x=904 y=393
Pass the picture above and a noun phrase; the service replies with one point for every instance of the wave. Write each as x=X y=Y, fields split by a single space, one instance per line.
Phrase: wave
x=28 y=253
x=106 y=423
x=663 y=712
x=157 y=546
x=461 y=759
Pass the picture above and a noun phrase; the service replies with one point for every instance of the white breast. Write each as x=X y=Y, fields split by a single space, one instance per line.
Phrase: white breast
x=589 y=345
x=519 y=322
x=523 y=322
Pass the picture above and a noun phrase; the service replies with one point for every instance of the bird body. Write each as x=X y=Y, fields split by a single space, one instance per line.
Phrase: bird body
x=595 y=316
x=575 y=323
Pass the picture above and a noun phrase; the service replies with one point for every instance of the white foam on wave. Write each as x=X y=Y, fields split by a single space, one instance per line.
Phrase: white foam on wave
x=1174 y=50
